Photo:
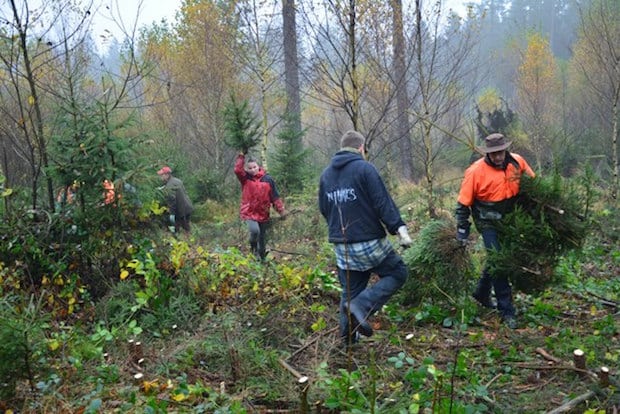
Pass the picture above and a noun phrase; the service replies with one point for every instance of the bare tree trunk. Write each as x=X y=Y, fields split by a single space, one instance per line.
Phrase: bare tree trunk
x=402 y=96
x=426 y=124
x=36 y=119
x=291 y=63
x=354 y=104
x=614 y=146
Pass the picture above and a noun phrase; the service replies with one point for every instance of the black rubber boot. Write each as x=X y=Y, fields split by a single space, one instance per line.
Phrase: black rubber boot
x=482 y=294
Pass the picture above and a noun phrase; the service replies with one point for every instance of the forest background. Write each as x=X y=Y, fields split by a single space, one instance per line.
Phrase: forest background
x=423 y=85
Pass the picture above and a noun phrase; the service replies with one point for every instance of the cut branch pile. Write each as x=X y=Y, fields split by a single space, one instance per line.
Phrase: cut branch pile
x=548 y=221
x=436 y=262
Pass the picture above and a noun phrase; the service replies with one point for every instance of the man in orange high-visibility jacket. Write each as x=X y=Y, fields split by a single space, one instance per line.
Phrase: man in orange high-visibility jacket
x=108 y=192
x=488 y=192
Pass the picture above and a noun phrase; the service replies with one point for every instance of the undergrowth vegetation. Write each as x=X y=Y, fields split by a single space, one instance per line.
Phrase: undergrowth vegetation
x=133 y=319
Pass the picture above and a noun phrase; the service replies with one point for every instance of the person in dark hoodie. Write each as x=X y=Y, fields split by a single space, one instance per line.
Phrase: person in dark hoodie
x=488 y=192
x=258 y=194
x=360 y=212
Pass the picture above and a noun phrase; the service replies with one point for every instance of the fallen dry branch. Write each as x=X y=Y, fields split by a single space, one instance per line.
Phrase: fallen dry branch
x=312 y=341
x=572 y=403
x=300 y=378
x=548 y=356
x=558 y=367
x=604 y=301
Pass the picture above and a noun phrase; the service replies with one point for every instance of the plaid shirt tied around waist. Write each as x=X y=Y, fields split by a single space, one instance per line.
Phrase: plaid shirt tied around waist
x=362 y=256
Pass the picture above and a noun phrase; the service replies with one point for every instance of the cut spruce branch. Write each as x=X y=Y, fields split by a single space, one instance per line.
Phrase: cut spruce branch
x=536 y=233
x=558 y=210
x=437 y=262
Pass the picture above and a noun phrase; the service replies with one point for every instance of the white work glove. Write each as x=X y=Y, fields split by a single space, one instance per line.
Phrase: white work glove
x=171 y=218
x=403 y=235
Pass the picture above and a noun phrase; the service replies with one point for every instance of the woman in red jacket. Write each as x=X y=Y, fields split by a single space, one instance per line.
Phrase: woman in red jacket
x=258 y=194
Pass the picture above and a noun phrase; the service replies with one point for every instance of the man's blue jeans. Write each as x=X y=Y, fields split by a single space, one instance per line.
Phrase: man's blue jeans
x=500 y=283
x=392 y=274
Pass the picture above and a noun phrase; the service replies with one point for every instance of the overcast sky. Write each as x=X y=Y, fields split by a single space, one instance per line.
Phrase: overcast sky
x=126 y=11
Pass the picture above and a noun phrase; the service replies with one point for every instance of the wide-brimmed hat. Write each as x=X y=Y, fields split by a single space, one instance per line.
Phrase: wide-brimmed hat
x=164 y=170
x=493 y=143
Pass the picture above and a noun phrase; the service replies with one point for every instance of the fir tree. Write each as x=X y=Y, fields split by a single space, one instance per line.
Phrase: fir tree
x=241 y=127
x=290 y=157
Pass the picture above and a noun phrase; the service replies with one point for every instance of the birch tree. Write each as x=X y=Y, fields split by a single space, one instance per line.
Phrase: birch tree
x=538 y=88
x=596 y=64
x=29 y=46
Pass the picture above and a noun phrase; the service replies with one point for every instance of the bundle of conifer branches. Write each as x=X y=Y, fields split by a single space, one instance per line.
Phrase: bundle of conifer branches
x=548 y=221
x=438 y=264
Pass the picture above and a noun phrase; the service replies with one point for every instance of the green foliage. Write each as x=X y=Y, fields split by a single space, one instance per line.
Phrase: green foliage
x=240 y=124
x=547 y=222
x=437 y=264
x=208 y=314
x=149 y=297
x=208 y=184
x=89 y=147
x=342 y=392
x=23 y=351
x=290 y=159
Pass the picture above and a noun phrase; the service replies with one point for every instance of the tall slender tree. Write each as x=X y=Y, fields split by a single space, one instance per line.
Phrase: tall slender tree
x=596 y=64
x=24 y=61
x=538 y=89
x=291 y=63
x=402 y=96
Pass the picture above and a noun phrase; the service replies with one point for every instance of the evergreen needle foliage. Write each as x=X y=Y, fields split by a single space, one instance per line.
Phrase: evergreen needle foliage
x=546 y=223
x=290 y=158
x=242 y=129
x=22 y=346
x=436 y=260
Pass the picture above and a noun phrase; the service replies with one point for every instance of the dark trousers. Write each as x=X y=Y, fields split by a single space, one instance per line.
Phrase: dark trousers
x=258 y=232
x=499 y=283
x=392 y=274
x=181 y=223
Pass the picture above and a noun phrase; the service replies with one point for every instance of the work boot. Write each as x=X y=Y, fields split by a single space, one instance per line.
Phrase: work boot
x=510 y=321
x=350 y=340
x=358 y=318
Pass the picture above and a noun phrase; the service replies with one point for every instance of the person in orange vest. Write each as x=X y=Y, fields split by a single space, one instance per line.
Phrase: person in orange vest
x=108 y=192
x=488 y=192
x=66 y=196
